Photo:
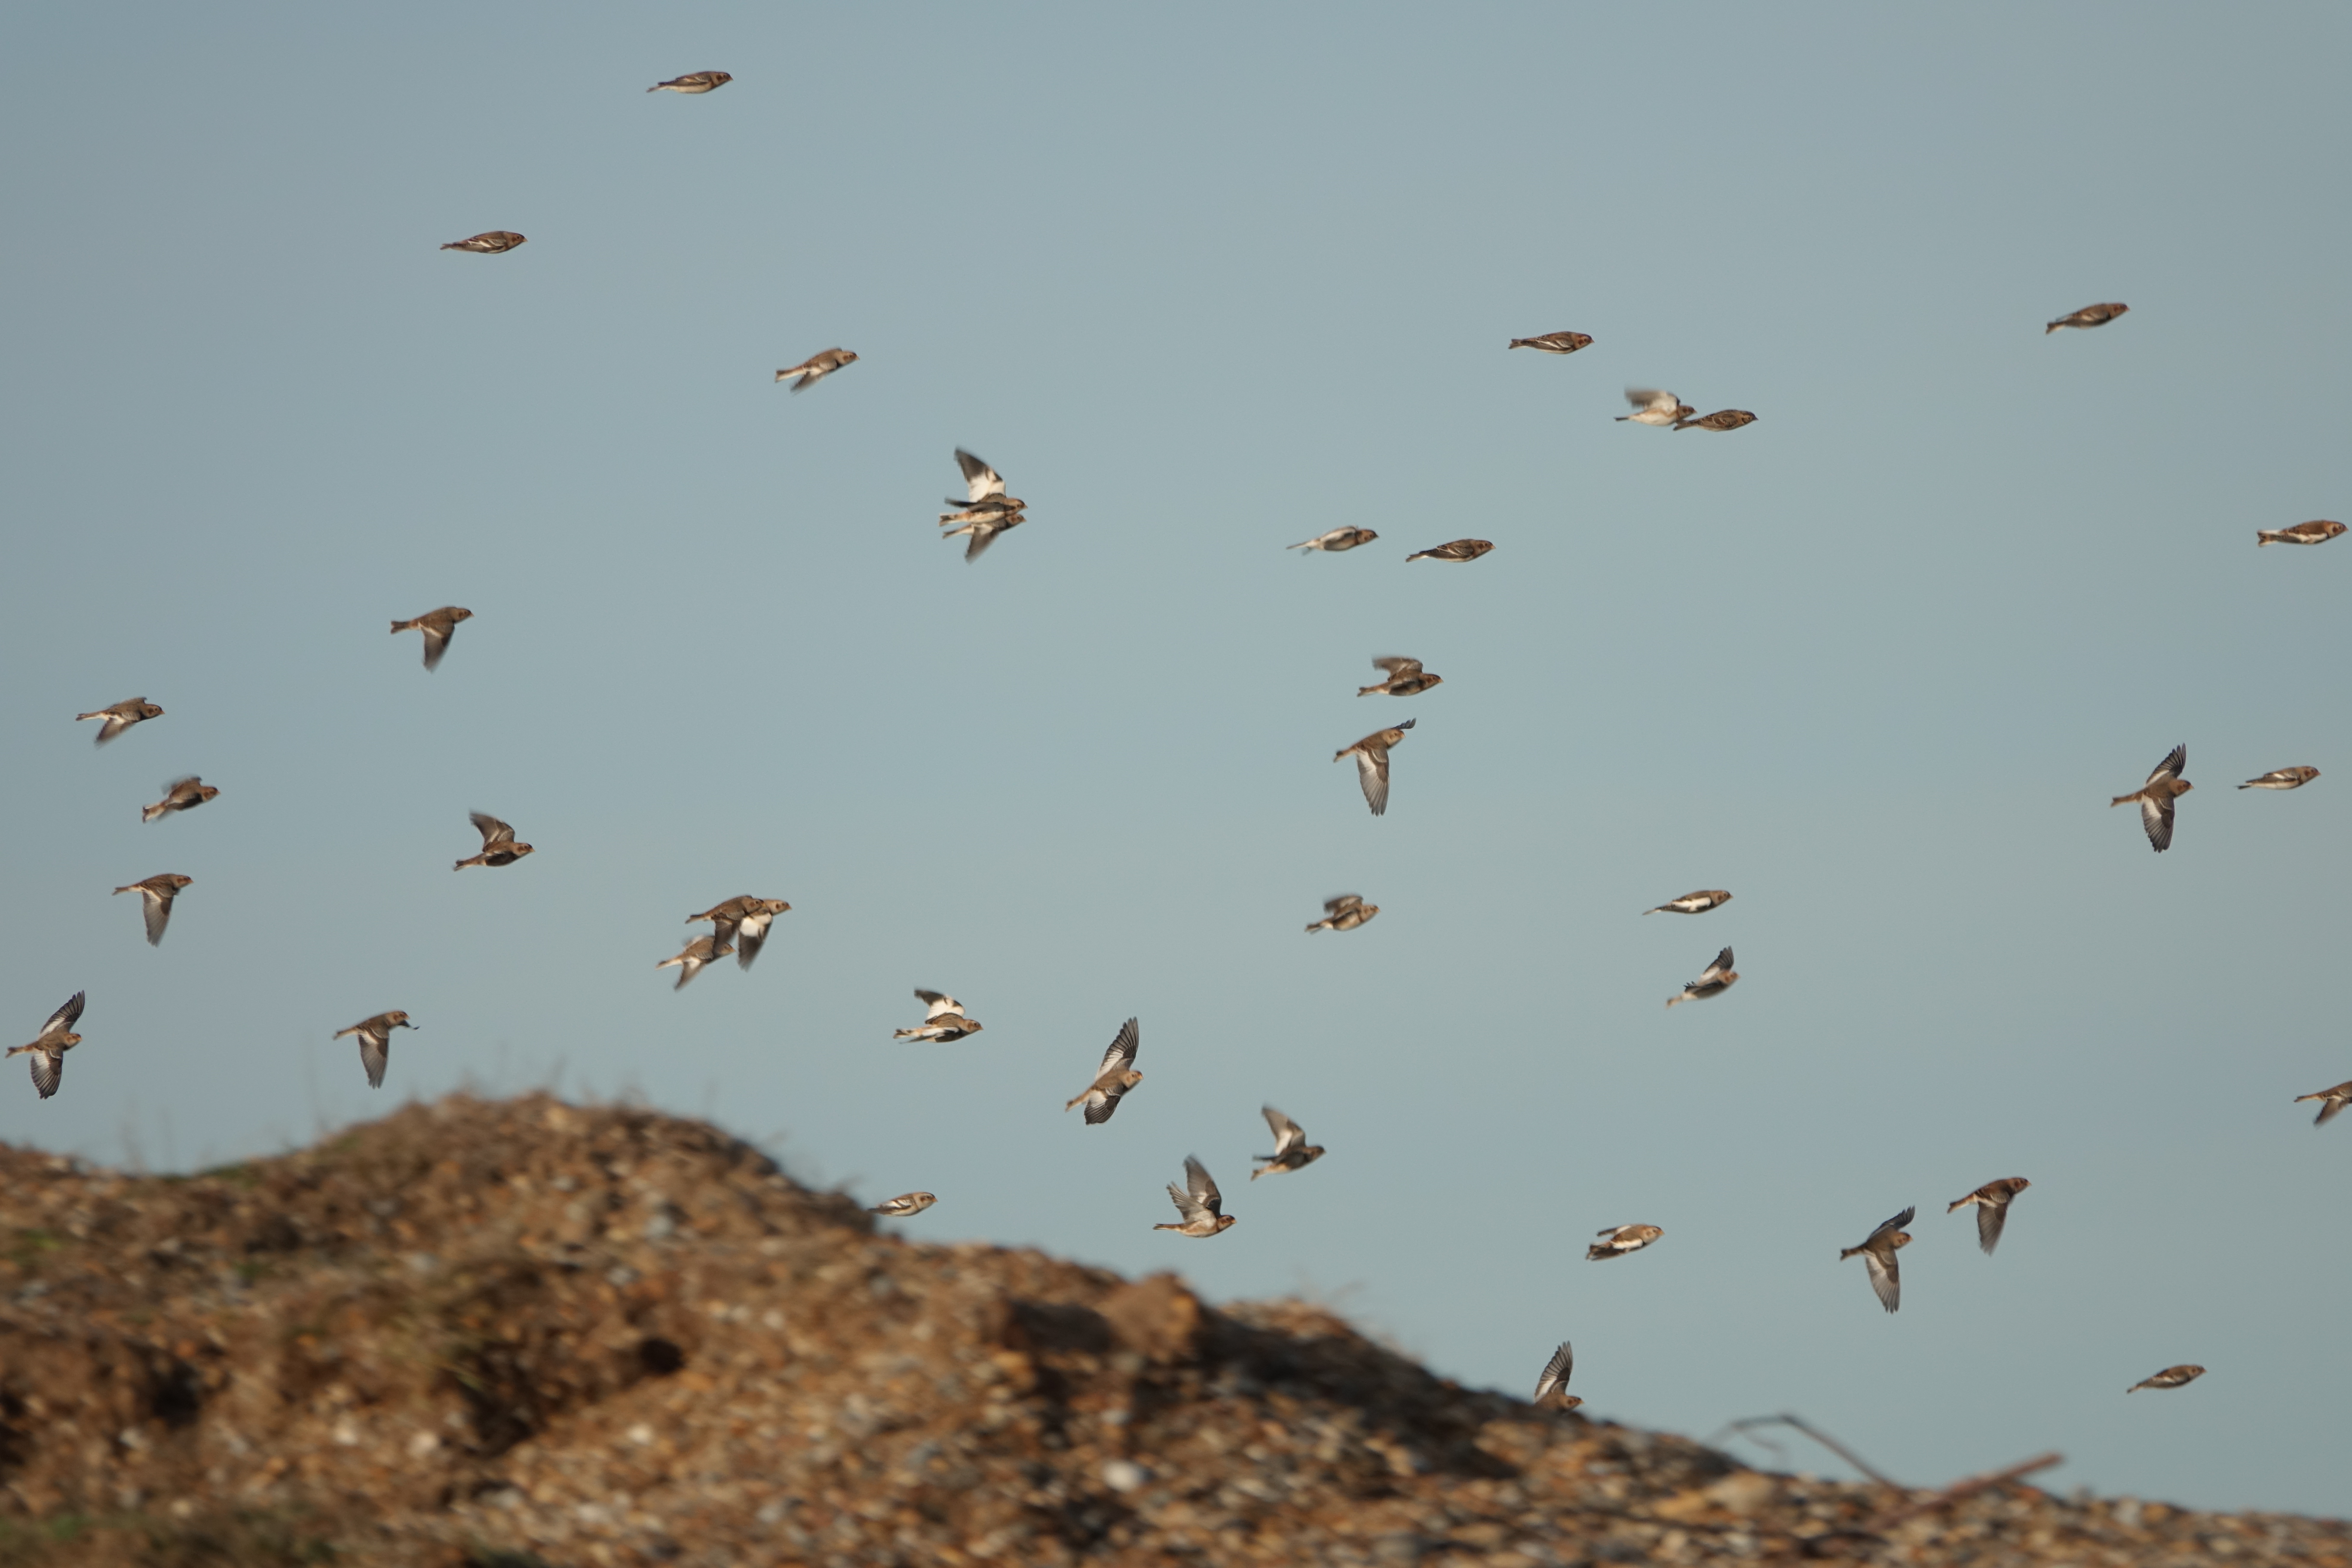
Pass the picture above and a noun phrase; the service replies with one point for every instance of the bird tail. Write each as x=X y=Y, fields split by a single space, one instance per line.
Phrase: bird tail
x=150 y=813
x=2262 y=537
x=911 y=1034
x=1518 y=343
x=1076 y=1100
x=1960 y=1204
x=1845 y=1253
x=407 y=625
x=2052 y=328
x=1653 y=911
x=1677 y=1001
x=461 y=864
x=2123 y=800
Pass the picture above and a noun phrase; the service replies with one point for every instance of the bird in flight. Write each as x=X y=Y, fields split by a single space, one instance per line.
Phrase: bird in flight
x=489 y=242
x=1992 y=1200
x=1338 y=540
x=2283 y=778
x=946 y=1023
x=2087 y=318
x=1697 y=904
x=1722 y=419
x=743 y=920
x=1113 y=1078
x=498 y=846
x=2331 y=1102
x=1371 y=754
x=984 y=492
x=180 y=794
x=2319 y=531
x=1718 y=978
x=1406 y=679
x=1199 y=1205
x=1292 y=1151
x=1454 y=550
x=438 y=626
x=816 y=367
x=1878 y=1256
x=376 y=1042
x=155 y=896
x=121 y=717
x=697 y=956
x=693 y=81
x=1651 y=406
x=1553 y=1383
x=49 y=1047
x=2164 y=786
x=1555 y=342
x=1345 y=912
x=2171 y=1377
x=1619 y=1240
x=906 y=1206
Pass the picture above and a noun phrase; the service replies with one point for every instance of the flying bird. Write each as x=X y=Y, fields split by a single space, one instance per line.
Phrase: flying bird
x=2171 y=1377
x=1455 y=550
x=2283 y=778
x=1718 y=978
x=155 y=896
x=1292 y=1151
x=693 y=81
x=1199 y=1205
x=743 y=920
x=1406 y=678
x=1619 y=1240
x=1878 y=1256
x=2331 y=1101
x=1697 y=904
x=1345 y=912
x=1113 y=1078
x=1992 y=1200
x=1371 y=754
x=1339 y=538
x=438 y=626
x=986 y=511
x=2319 y=531
x=49 y=1048
x=699 y=955
x=2155 y=797
x=491 y=242
x=982 y=532
x=816 y=367
x=180 y=794
x=1555 y=342
x=2087 y=318
x=906 y=1206
x=1554 y=1380
x=946 y=1023
x=121 y=717
x=376 y=1042
x=1651 y=406
x=1721 y=419
x=498 y=846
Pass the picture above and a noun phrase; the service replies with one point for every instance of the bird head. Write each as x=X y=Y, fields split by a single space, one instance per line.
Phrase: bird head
x=774 y=906
x=397 y=1021
x=1225 y=1222
x=457 y=615
x=2181 y=787
x=149 y=710
x=1900 y=1239
x=519 y=849
x=848 y=356
x=1570 y=1401
x=1130 y=1078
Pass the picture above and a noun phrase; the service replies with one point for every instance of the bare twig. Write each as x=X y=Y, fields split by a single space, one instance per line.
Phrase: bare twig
x=1823 y=1438
x=1960 y=1491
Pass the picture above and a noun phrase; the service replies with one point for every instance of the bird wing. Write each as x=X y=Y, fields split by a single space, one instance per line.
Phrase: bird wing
x=1396 y=666
x=1651 y=400
x=1372 y=772
x=2174 y=765
x=982 y=480
x=2330 y=1107
x=492 y=830
x=1288 y=1134
x=1343 y=903
x=179 y=789
x=65 y=1017
x=157 y=907
x=1885 y=1276
x=48 y=1071
x=1892 y=1225
x=1120 y=1057
x=1187 y=1208
x=941 y=1002
x=1101 y=1104
x=982 y=536
x=1992 y=1213
x=375 y=1054
x=1555 y=1372
x=1202 y=1186
x=1717 y=970
x=2155 y=816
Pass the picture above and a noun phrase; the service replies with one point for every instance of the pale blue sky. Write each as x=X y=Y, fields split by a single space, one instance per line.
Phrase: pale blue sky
x=1201 y=283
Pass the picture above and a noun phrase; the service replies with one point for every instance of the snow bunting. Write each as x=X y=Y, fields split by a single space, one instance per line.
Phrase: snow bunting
x=1619 y=1240
x=1345 y=912
x=984 y=490
x=2331 y=1101
x=947 y=1022
x=1553 y=1383
x=180 y=794
x=1292 y=1151
x=1406 y=678
x=1371 y=754
x=49 y=1048
x=438 y=626
x=2319 y=531
x=121 y=717
x=2089 y=316
x=1555 y=342
x=1697 y=904
x=1992 y=1200
x=2155 y=797
x=1455 y=550
x=376 y=1042
x=1113 y=1078
x=816 y=367
x=985 y=530
x=693 y=81
x=2283 y=778
x=1721 y=419
x=1878 y=1256
x=1339 y=538
x=1198 y=1201
x=905 y=1205
x=697 y=955
x=743 y=920
x=1718 y=978
x=155 y=896
x=498 y=846
x=2171 y=1377
x=1651 y=406
x=491 y=242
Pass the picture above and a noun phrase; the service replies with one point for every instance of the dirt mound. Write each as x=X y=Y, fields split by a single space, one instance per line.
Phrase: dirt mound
x=523 y=1332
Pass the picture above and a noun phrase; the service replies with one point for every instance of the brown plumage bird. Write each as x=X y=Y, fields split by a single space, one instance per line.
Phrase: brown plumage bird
x=946 y=1021
x=1555 y=342
x=121 y=717
x=2331 y=1102
x=155 y=896
x=1713 y=980
x=1721 y=419
x=438 y=626
x=2171 y=1377
x=491 y=242
x=816 y=367
x=1878 y=1256
x=180 y=794
x=693 y=81
x=2283 y=778
x=1333 y=541
x=906 y=1206
x=1991 y=1201
x=1292 y=1151
x=2164 y=786
x=1406 y=679
x=1200 y=1206
x=49 y=1047
x=1621 y=1239
x=697 y=955
x=2089 y=316
x=498 y=846
x=1113 y=1078
x=1371 y=754
x=1553 y=1384
x=2319 y=531
x=743 y=920
x=376 y=1042
x=1345 y=912
x=1697 y=904
x=1455 y=550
